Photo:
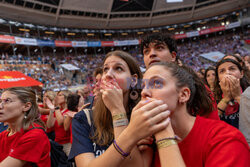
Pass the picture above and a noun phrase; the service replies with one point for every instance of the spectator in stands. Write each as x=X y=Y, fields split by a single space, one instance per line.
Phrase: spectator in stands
x=92 y=142
x=24 y=143
x=58 y=109
x=159 y=47
x=230 y=82
x=239 y=59
x=85 y=94
x=187 y=135
x=97 y=76
x=44 y=110
x=74 y=106
x=209 y=77
x=200 y=74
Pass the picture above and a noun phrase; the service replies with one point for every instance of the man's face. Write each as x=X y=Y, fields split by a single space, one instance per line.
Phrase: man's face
x=157 y=52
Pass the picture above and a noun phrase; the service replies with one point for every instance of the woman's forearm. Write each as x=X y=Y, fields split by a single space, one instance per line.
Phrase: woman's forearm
x=51 y=120
x=136 y=157
x=59 y=117
x=171 y=157
x=111 y=157
x=222 y=105
x=43 y=111
x=67 y=121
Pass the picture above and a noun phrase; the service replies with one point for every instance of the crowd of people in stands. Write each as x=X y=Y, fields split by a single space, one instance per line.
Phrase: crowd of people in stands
x=164 y=117
x=52 y=76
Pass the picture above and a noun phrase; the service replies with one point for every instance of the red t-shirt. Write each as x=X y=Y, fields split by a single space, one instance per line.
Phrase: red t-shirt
x=213 y=143
x=44 y=118
x=214 y=114
x=61 y=136
x=31 y=146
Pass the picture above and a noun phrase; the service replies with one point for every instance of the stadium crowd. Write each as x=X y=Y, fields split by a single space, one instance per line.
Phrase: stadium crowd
x=47 y=69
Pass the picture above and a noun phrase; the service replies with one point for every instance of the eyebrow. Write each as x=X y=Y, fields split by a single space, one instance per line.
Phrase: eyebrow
x=115 y=64
x=156 y=77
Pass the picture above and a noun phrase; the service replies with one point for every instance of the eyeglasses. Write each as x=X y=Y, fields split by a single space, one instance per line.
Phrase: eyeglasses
x=5 y=101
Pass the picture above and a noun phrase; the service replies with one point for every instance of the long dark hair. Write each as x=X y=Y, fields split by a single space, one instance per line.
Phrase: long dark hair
x=244 y=82
x=199 y=102
x=104 y=133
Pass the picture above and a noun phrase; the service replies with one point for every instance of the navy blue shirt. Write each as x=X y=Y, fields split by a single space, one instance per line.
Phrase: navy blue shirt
x=2 y=127
x=81 y=132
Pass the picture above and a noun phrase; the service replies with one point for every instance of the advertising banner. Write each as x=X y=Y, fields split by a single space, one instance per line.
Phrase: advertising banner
x=94 y=44
x=107 y=43
x=79 y=44
x=63 y=43
x=45 y=43
x=26 y=41
x=7 y=39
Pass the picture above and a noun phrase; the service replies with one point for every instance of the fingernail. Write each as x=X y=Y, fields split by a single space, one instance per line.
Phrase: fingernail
x=168 y=112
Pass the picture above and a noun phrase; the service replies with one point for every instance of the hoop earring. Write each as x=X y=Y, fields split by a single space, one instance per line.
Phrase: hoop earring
x=133 y=95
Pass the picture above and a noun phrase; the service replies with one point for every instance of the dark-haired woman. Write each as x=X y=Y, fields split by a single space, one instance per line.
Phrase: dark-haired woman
x=24 y=143
x=188 y=139
x=240 y=60
x=209 y=77
x=229 y=84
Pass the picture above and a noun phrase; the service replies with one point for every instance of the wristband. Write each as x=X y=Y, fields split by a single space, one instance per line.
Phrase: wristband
x=168 y=138
x=120 y=151
x=121 y=122
x=119 y=116
x=224 y=101
x=165 y=143
x=51 y=111
x=57 y=108
x=221 y=110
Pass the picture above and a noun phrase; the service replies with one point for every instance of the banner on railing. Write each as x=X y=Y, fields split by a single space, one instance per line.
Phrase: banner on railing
x=7 y=39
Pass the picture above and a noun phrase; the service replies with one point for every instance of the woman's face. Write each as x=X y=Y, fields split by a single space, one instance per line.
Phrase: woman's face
x=60 y=98
x=116 y=69
x=210 y=76
x=96 y=89
x=229 y=68
x=160 y=85
x=11 y=108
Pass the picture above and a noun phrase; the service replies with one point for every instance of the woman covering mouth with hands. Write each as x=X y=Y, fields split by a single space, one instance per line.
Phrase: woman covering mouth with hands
x=188 y=139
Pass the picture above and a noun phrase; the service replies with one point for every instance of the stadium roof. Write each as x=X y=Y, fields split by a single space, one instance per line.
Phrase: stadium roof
x=114 y=14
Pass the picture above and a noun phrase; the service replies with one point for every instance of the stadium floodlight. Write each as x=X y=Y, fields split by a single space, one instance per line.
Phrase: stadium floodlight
x=108 y=34
x=23 y=29
x=90 y=34
x=156 y=30
x=173 y=1
x=49 y=32
x=71 y=33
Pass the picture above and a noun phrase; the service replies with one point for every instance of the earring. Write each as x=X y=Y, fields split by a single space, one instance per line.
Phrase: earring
x=25 y=117
x=133 y=95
